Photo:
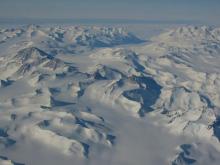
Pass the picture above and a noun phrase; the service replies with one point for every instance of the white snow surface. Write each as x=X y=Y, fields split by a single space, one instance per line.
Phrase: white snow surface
x=77 y=95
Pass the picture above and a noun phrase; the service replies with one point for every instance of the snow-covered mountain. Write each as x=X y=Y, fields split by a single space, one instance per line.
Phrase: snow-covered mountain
x=73 y=94
x=66 y=39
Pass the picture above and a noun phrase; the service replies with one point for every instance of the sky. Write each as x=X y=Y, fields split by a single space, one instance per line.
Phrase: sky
x=207 y=11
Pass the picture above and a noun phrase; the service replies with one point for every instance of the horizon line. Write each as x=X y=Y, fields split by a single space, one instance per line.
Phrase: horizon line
x=95 y=20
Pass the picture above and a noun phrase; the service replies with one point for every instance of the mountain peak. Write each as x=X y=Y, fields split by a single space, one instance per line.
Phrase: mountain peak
x=30 y=54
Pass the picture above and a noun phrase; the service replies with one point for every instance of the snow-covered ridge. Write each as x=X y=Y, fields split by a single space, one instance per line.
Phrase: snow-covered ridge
x=190 y=33
x=185 y=62
x=67 y=39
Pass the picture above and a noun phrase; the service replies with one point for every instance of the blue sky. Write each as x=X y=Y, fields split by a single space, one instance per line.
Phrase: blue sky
x=198 y=10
